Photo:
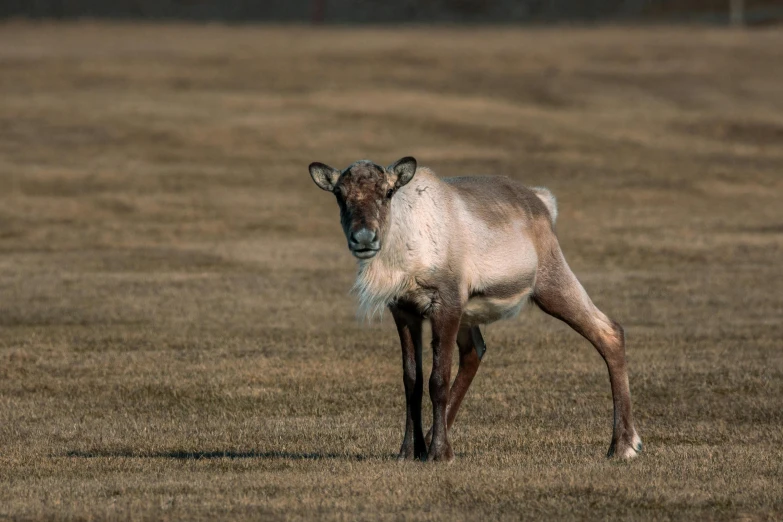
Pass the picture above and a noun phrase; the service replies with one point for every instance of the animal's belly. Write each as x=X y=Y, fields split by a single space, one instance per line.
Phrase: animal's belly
x=485 y=309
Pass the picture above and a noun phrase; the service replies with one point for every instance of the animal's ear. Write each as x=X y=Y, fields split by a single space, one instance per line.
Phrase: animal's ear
x=404 y=169
x=324 y=176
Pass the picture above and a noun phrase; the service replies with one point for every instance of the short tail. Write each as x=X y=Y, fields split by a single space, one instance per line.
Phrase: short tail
x=549 y=200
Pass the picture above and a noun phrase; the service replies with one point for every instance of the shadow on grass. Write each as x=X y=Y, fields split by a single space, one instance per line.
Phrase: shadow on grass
x=205 y=455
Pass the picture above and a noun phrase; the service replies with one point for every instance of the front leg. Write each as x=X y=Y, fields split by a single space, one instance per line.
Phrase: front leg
x=409 y=329
x=445 y=325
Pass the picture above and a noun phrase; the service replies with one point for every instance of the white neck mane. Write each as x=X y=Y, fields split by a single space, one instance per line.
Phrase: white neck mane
x=415 y=241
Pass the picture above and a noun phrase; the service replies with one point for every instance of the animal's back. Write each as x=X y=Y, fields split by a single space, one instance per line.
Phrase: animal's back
x=498 y=199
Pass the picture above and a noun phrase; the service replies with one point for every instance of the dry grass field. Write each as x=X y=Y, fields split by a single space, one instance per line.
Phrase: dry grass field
x=177 y=340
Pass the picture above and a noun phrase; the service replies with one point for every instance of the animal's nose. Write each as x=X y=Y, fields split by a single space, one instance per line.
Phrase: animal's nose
x=363 y=237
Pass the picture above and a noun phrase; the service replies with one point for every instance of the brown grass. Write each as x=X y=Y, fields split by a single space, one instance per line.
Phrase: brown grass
x=176 y=336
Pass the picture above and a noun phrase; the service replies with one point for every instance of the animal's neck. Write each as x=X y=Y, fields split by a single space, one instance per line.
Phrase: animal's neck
x=413 y=241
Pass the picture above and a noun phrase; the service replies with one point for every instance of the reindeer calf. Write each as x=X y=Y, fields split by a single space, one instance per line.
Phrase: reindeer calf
x=462 y=252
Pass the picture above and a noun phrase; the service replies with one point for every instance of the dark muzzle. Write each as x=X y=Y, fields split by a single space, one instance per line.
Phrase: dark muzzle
x=364 y=243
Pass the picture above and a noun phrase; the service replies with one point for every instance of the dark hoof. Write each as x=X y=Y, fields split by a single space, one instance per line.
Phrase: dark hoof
x=412 y=457
x=625 y=449
x=410 y=452
x=442 y=454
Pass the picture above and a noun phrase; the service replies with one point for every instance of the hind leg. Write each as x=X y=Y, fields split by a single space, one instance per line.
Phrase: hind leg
x=559 y=293
x=468 y=366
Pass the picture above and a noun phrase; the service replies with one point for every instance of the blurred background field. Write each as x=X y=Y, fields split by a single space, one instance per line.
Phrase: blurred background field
x=176 y=335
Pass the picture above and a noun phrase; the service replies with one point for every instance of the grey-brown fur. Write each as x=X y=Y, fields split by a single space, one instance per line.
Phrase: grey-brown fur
x=462 y=252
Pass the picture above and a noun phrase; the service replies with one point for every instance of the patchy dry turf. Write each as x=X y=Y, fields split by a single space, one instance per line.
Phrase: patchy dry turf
x=176 y=336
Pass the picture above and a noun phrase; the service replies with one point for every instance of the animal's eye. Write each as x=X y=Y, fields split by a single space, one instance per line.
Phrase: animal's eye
x=389 y=194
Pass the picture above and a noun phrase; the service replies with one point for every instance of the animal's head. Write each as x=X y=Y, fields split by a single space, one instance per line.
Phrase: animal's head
x=364 y=192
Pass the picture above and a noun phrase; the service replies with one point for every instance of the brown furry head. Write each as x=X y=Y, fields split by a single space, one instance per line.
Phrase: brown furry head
x=364 y=192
